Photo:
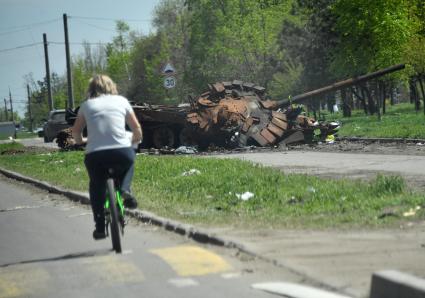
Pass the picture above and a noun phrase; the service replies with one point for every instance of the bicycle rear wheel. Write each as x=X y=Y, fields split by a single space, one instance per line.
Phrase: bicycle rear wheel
x=115 y=228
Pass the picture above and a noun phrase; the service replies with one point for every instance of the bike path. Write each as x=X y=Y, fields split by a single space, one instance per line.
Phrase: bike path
x=46 y=250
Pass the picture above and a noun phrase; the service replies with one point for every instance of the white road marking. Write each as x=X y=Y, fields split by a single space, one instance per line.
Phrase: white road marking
x=295 y=290
x=183 y=282
x=80 y=214
x=231 y=275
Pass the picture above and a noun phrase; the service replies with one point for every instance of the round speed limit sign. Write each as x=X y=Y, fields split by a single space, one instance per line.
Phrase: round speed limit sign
x=170 y=82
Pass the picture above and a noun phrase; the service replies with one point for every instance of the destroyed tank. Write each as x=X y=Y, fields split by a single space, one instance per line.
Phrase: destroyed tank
x=238 y=114
x=233 y=114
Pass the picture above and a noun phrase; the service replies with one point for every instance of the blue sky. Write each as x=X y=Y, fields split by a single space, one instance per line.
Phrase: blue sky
x=23 y=22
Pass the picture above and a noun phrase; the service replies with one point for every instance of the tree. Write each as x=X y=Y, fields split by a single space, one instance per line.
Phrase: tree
x=233 y=39
x=172 y=20
x=118 y=56
x=147 y=59
x=92 y=61
x=372 y=35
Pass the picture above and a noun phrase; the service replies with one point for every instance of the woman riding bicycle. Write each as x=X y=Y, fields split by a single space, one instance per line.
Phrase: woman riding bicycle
x=105 y=113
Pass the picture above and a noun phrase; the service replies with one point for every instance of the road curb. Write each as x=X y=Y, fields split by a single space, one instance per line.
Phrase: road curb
x=396 y=284
x=380 y=140
x=182 y=229
x=141 y=215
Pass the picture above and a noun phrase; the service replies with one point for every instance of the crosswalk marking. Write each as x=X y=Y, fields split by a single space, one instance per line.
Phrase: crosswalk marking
x=192 y=260
x=40 y=278
x=114 y=269
x=21 y=281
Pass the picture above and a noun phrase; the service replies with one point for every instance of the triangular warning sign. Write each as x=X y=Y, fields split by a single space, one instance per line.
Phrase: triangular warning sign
x=168 y=68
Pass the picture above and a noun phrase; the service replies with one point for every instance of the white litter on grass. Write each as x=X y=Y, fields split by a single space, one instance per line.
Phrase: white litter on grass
x=191 y=172
x=245 y=196
x=311 y=189
x=412 y=212
x=186 y=150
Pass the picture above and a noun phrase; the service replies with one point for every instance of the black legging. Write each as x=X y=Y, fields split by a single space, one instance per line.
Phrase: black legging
x=97 y=164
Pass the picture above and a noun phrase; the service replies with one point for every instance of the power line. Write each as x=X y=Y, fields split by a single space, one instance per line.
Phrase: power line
x=97 y=27
x=110 y=19
x=21 y=47
x=51 y=42
x=78 y=43
x=15 y=29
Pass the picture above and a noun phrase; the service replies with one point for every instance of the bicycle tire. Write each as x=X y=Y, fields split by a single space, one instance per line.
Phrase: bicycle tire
x=115 y=228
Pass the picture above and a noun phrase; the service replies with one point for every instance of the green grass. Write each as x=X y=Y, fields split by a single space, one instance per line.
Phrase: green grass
x=19 y=135
x=26 y=135
x=400 y=121
x=210 y=197
x=12 y=146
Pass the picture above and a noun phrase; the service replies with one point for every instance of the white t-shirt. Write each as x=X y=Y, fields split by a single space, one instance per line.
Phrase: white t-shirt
x=105 y=118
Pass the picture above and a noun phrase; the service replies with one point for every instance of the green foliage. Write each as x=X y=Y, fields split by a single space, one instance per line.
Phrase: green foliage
x=84 y=66
x=373 y=34
x=400 y=121
x=118 y=57
x=39 y=99
x=148 y=59
x=233 y=39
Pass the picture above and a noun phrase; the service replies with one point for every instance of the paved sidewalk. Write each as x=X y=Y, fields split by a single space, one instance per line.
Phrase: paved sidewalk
x=344 y=260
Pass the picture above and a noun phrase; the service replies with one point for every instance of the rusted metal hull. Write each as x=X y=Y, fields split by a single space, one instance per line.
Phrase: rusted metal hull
x=235 y=112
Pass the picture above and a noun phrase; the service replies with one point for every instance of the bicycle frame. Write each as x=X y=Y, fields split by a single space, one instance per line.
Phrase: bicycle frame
x=120 y=202
x=114 y=216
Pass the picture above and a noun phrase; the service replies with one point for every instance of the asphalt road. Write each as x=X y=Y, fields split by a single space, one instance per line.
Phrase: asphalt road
x=46 y=250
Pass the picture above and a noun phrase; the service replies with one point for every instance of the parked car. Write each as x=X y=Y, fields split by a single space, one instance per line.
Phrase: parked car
x=54 y=124
x=7 y=129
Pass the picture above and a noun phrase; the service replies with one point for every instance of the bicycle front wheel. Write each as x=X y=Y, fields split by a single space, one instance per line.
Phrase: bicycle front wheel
x=115 y=229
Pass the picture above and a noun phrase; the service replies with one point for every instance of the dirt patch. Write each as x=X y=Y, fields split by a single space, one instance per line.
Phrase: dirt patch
x=27 y=149
x=370 y=147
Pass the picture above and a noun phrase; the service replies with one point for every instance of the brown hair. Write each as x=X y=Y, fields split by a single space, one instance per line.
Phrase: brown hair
x=100 y=85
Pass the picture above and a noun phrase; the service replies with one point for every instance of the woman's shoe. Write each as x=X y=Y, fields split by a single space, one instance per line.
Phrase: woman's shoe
x=130 y=202
x=98 y=235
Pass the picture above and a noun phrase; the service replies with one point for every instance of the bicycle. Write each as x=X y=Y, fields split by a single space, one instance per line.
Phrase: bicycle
x=114 y=212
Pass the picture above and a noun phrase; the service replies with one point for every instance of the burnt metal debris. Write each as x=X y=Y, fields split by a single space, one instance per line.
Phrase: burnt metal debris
x=230 y=115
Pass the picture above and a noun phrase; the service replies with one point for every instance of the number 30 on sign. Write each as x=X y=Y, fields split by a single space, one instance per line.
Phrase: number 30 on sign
x=170 y=82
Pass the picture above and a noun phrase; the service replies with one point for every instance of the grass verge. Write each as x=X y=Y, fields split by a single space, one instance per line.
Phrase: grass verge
x=400 y=121
x=211 y=195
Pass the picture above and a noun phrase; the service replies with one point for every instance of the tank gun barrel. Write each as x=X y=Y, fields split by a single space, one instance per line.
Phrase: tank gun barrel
x=340 y=85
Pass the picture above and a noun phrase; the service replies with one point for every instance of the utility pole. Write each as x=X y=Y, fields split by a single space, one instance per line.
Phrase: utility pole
x=68 y=63
x=46 y=60
x=5 y=110
x=11 y=105
x=29 y=106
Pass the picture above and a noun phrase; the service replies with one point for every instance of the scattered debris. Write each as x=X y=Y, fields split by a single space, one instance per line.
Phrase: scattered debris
x=186 y=150
x=191 y=172
x=245 y=196
x=412 y=211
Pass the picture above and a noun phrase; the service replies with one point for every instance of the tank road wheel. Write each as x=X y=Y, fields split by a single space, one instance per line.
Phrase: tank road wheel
x=186 y=138
x=162 y=137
